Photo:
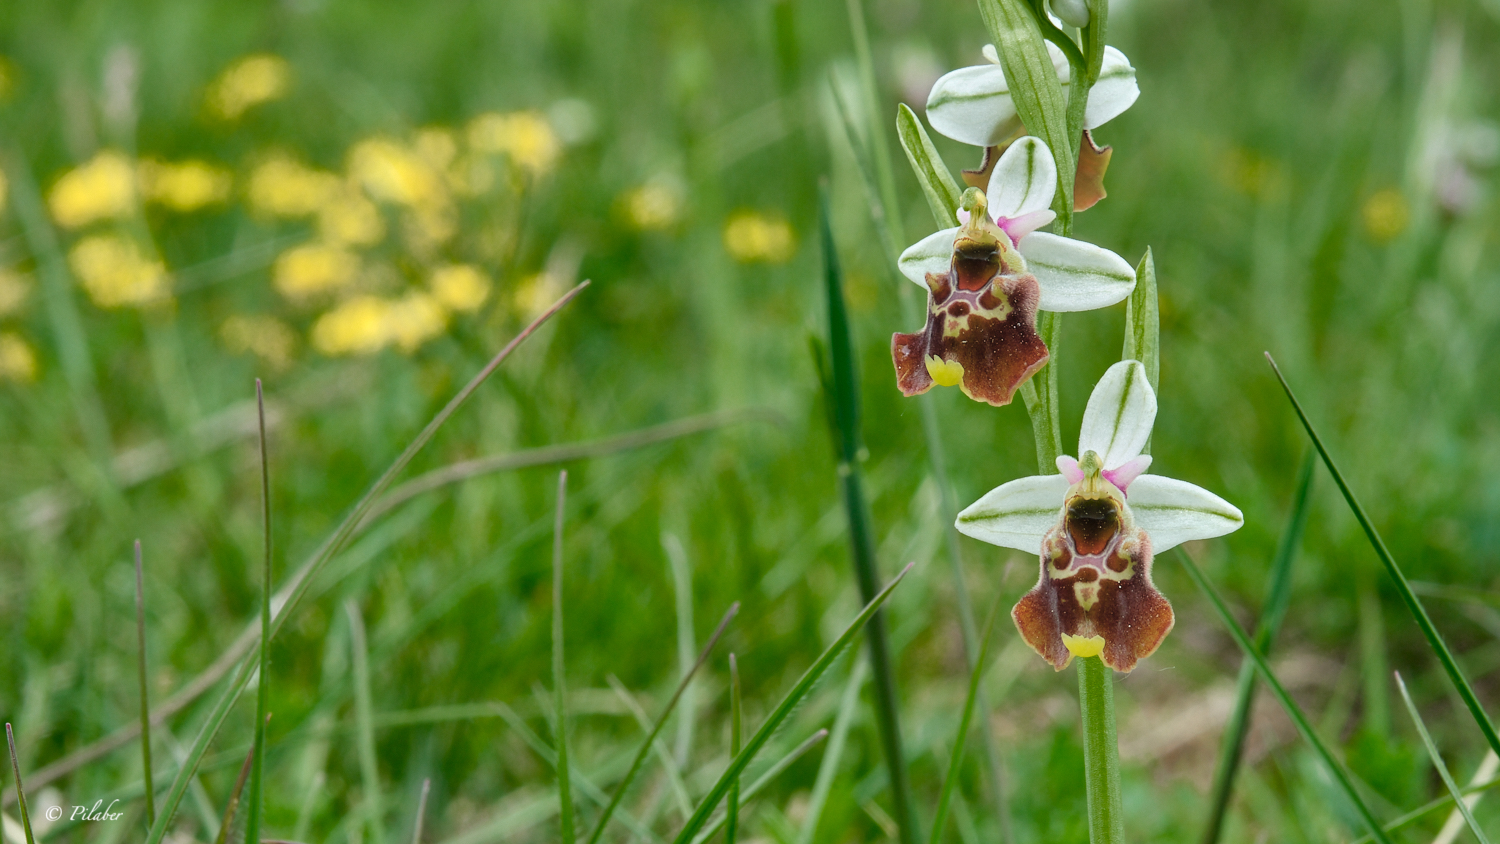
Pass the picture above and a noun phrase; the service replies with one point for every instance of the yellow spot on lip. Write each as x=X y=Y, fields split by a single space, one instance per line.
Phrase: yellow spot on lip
x=945 y=373
x=1084 y=646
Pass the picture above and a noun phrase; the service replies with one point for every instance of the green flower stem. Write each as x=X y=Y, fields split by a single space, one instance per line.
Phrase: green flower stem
x=1101 y=753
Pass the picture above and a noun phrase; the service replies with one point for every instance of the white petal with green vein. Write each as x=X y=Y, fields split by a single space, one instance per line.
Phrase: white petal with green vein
x=1016 y=514
x=931 y=254
x=1174 y=512
x=1074 y=275
x=1121 y=410
x=972 y=105
x=1025 y=179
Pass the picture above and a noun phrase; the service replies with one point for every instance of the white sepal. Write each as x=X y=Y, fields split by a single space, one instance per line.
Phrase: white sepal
x=972 y=105
x=1024 y=181
x=1173 y=512
x=1121 y=410
x=1074 y=275
x=931 y=254
x=1115 y=91
x=1016 y=514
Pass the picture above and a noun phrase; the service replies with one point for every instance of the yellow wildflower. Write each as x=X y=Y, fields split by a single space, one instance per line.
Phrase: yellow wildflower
x=185 y=185
x=14 y=288
x=249 y=82
x=17 y=360
x=752 y=237
x=358 y=326
x=306 y=271
x=348 y=217
x=524 y=136
x=266 y=337
x=283 y=187
x=414 y=319
x=99 y=189
x=394 y=173
x=460 y=287
x=115 y=273
x=654 y=206
x=1385 y=215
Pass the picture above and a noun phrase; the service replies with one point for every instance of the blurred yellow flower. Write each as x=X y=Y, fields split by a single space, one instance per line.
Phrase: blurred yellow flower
x=14 y=288
x=306 y=271
x=654 y=206
x=471 y=175
x=356 y=327
x=283 y=187
x=249 y=82
x=414 y=319
x=348 y=217
x=99 y=189
x=460 y=287
x=1385 y=215
x=751 y=237
x=391 y=172
x=266 y=337
x=524 y=136
x=184 y=185
x=17 y=360
x=115 y=273
x=436 y=146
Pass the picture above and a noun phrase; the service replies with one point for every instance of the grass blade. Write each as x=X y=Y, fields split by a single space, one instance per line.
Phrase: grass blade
x=1277 y=596
x=140 y=640
x=661 y=721
x=955 y=764
x=845 y=400
x=682 y=593
x=15 y=765
x=215 y=718
x=258 y=752
x=364 y=721
x=732 y=815
x=416 y=832
x=231 y=809
x=1334 y=767
x=938 y=186
x=559 y=688
x=1143 y=323
x=1413 y=604
x=663 y=754
x=848 y=706
x=783 y=710
x=764 y=780
x=1455 y=822
x=1437 y=762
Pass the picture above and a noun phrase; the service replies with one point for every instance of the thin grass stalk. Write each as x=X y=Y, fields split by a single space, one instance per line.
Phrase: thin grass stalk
x=215 y=719
x=1413 y=603
x=15 y=765
x=732 y=814
x=663 y=753
x=845 y=399
x=1429 y=807
x=364 y=721
x=764 y=780
x=416 y=830
x=258 y=753
x=1437 y=762
x=640 y=755
x=231 y=809
x=783 y=710
x=559 y=687
x=140 y=641
x=682 y=594
x=1278 y=595
x=828 y=768
x=955 y=763
x=1335 y=769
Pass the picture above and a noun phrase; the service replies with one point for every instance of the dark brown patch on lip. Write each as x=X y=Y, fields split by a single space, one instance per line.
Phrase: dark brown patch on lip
x=958 y=309
x=1092 y=523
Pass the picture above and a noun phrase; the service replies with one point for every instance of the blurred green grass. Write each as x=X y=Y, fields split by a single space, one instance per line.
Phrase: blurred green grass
x=1312 y=180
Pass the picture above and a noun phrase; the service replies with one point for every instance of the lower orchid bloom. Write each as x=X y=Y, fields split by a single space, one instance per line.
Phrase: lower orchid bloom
x=1096 y=525
x=988 y=277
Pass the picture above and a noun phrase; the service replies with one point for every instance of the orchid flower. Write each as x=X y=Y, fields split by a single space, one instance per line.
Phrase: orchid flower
x=1096 y=525
x=973 y=104
x=988 y=277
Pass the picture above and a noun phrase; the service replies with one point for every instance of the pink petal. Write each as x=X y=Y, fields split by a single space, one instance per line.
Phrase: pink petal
x=1127 y=471
x=1069 y=468
x=1025 y=224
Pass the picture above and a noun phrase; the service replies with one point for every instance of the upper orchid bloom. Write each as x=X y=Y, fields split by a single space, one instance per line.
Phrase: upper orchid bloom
x=973 y=104
x=1096 y=525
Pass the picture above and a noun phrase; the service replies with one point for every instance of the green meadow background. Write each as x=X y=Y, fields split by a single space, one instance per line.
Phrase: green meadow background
x=1316 y=179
